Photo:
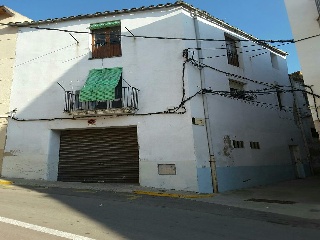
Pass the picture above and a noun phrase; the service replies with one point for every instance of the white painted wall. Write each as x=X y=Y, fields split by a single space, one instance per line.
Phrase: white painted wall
x=232 y=119
x=303 y=16
x=154 y=66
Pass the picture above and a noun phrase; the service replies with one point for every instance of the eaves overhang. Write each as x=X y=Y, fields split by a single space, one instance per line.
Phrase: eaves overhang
x=193 y=11
x=5 y=11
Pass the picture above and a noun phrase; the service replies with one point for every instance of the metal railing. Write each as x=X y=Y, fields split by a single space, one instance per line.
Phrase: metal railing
x=128 y=100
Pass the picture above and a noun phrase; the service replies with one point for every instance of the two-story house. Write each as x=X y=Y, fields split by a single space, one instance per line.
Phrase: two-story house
x=8 y=38
x=166 y=96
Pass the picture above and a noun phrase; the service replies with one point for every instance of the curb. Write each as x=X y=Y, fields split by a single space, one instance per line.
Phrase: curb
x=5 y=182
x=173 y=195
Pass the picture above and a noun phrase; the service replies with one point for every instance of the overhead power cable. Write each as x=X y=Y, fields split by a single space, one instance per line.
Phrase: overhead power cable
x=259 y=41
x=249 y=99
x=44 y=55
x=200 y=65
x=238 y=47
x=238 y=52
x=181 y=108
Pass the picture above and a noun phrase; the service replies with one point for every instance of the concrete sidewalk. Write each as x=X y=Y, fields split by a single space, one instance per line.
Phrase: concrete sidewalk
x=111 y=187
x=299 y=198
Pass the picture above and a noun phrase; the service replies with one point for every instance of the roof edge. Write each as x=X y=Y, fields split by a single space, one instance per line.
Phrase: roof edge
x=205 y=15
x=193 y=10
x=7 y=10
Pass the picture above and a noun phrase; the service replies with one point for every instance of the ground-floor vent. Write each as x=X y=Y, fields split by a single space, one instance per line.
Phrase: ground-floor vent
x=99 y=155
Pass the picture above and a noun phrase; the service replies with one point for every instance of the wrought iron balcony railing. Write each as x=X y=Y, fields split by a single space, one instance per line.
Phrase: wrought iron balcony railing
x=126 y=103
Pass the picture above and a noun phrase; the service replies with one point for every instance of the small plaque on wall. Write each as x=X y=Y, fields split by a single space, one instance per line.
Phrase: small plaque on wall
x=167 y=169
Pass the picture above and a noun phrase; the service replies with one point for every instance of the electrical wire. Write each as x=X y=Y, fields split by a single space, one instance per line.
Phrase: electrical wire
x=200 y=65
x=259 y=41
x=238 y=47
x=74 y=58
x=250 y=100
x=314 y=101
x=195 y=63
x=239 y=52
x=44 y=55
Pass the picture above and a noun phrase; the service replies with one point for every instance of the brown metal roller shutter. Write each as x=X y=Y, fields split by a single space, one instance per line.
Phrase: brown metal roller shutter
x=99 y=155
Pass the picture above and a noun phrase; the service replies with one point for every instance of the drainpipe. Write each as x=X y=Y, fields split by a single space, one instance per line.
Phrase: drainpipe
x=205 y=109
x=300 y=123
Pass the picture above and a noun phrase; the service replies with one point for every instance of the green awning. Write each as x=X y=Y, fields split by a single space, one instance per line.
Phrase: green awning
x=104 y=25
x=100 y=84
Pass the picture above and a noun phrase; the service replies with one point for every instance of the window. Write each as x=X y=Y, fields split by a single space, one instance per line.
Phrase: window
x=237 y=144
x=274 y=60
x=232 y=53
x=237 y=89
x=106 y=39
x=255 y=145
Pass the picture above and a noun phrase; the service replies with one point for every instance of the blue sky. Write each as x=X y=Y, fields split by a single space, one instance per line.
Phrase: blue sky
x=265 y=19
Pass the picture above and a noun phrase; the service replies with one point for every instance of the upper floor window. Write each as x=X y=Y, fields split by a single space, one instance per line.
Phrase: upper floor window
x=274 y=60
x=106 y=39
x=232 y=53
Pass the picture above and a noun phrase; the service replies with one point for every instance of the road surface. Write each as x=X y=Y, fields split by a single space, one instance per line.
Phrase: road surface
x=54 y=213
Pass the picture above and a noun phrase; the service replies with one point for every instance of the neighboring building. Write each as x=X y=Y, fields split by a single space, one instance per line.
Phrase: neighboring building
x=148 y=107
x=8 y=38
x=303 y=119
x=304 y=20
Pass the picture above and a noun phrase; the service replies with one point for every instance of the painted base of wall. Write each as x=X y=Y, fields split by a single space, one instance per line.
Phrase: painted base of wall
x=185 y=178
x=231 y=178
x=204 y=180
x=30 y=167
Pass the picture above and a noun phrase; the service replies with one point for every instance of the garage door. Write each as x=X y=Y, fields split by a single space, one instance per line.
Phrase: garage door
x=99 y=155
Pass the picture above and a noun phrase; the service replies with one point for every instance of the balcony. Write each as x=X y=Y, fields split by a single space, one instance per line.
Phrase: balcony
x=127 y=103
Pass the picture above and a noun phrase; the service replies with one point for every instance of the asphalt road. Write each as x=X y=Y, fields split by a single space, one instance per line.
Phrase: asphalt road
x=53 y=213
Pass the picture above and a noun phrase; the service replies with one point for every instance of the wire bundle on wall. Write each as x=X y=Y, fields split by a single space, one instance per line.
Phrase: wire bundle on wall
x=249 y=96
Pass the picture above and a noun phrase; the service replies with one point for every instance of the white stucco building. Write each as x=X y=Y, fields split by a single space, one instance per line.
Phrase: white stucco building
x=149 y=107
x=303 y=118
x=8 y=37
x=304 y=21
